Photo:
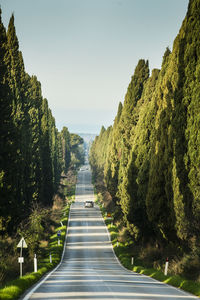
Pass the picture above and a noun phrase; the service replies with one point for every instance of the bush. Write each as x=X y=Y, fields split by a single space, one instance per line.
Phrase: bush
x=191 y=267
x=124 y=254
x=16 y=287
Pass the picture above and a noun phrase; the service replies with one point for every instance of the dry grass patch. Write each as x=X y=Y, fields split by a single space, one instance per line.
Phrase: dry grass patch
x=43 y=244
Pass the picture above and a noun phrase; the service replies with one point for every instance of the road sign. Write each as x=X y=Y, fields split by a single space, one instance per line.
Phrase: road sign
x=22 y=244
x=59 y=233
x=20 y=260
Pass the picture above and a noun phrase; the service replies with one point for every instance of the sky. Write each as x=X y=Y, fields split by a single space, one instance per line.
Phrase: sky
x=84 y=52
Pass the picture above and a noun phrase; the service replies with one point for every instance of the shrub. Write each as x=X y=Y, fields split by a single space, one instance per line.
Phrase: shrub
x=16 y=287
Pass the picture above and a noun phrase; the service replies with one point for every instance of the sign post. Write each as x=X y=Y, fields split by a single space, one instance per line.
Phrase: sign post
x=59 y=235
x=166 y=266
x=35 y=264
x=20 y=261
x=22 y=244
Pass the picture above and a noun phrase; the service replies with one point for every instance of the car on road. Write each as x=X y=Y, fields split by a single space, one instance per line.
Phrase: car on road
x=89 y=204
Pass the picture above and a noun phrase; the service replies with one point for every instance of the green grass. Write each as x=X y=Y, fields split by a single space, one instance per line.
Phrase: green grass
x=18 y=286
x=124 y=256
x=123 y=252
x=15 y=288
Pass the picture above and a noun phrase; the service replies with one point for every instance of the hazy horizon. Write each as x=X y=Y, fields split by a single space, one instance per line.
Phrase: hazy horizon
x=85 y=52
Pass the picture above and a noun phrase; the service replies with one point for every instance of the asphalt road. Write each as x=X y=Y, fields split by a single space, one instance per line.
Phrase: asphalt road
x=89 y=269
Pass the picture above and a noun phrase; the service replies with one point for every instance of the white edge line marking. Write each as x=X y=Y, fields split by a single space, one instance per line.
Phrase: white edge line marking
x=109 y=237
x=127 y=270
x=49 y=274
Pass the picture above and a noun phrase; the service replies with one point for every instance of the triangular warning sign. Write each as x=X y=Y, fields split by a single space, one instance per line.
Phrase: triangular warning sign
x=22 y=244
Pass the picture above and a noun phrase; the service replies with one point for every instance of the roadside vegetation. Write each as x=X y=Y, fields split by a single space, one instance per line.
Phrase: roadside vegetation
x=148 y=260
x=15 y=288
x=40 y=233
x=146 y=165
x=36 y=229
x=37 y=168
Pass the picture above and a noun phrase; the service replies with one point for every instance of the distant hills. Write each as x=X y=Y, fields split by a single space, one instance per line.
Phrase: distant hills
x=88 y=137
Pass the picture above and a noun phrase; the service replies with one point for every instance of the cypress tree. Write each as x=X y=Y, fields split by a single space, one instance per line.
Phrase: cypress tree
x=128 y=121
x=66 y=157
x=7 y=134
x=47 y=166
x=113 y=157
x=153 y=154
x=77 y=156
x=135 y=184
x=31 y=158
x=186 y=126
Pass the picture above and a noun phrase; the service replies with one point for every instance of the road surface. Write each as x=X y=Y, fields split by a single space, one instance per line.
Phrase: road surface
x=89 y=269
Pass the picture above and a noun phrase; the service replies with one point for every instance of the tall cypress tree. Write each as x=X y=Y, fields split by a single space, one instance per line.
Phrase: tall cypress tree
x=186 y=126
x=31 y=146
x=7 y=134
x=16 y=68
x=128 y=121
x=135 y=184
x=47 y=165
x=65 y=140
x=156 y=144
x=113 y=157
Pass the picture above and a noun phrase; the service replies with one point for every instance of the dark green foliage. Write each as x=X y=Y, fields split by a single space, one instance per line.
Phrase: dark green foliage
x=112 y=161
x=151 y=161
x=46 y=151
x=32 y=151
x=128 y=120
x=99 y=150
x=13 y=289
x=65 y=142
x=190 y=63
x=134 y=188
x=77 y=150
x=7 y=127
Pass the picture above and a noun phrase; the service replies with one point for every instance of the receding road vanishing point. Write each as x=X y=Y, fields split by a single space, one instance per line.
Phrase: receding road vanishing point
x=89 y=269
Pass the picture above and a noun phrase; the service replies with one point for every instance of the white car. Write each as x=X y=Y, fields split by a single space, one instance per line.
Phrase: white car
x=89 y=204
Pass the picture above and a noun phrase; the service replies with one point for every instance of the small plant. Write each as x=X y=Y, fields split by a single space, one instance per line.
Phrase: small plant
x=124 y=251
x=15 y=288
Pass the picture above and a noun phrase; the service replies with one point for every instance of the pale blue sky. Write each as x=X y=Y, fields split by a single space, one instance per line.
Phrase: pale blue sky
x=84 y=52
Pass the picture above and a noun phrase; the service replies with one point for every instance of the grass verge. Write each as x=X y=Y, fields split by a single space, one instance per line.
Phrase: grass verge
x=124 y=253
x=17 y=287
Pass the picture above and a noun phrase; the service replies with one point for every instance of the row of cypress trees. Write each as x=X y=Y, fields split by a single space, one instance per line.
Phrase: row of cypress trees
x=32 y=151
x=150 y=157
